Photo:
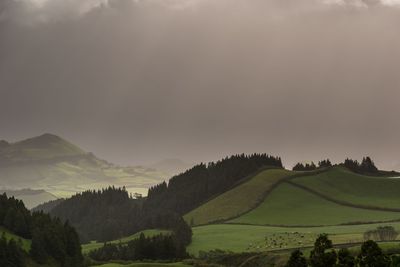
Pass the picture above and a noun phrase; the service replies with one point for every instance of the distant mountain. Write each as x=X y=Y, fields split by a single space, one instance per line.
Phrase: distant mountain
x=50 y=163
x=30 y=197
x=171 y=166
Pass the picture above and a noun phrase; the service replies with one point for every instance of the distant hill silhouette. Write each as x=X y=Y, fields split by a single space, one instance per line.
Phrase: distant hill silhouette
x=61 y=168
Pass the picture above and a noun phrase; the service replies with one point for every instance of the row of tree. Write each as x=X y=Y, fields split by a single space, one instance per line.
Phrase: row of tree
x=52 y=240
x=159 y=247
x=311 y=166
x=382 y=233
x=367 y=166
x=323 y=255
x=111 y=213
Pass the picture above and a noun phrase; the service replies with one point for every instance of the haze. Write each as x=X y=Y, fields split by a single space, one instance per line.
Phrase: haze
x=139 y=81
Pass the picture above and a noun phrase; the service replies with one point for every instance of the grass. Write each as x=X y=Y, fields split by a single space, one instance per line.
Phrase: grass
x=26 y=243
x=291 y=206
x=342 y=184
x=239 y=238
x=237 y=200
x=86 y=248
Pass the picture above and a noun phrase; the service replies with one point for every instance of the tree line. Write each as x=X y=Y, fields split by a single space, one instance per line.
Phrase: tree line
x=367 y=166
x=381 y=233
x=159 y=247
x=52 y=240
x=324 y=255
x=111 y=213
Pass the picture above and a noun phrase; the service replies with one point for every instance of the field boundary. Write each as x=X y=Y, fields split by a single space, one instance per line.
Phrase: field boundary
x=341 y=202
x=265 y=194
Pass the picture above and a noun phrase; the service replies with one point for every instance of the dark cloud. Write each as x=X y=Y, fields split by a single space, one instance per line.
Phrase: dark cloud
x=140 y=81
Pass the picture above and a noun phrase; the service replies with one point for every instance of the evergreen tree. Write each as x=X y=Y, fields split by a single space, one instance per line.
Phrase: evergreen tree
x=319 y=256
x=371 y=255
x=345 y=259
x=296 y=260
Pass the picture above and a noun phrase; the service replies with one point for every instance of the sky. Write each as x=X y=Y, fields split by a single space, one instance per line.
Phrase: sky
x=137 y=81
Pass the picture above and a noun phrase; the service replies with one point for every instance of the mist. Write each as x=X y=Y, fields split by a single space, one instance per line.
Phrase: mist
x=139 y=81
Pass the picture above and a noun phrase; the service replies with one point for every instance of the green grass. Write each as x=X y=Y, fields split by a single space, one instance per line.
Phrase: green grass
x=342 y=184
x=237 y=200
x=142 y=264
x=239 y=238
x=86 y=248
x=26 y=243
x=291 y=206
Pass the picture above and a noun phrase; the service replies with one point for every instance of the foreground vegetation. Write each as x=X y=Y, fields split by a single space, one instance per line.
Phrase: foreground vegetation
x=51 y=240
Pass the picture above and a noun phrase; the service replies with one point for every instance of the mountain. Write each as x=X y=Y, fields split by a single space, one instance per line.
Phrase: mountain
x=51 y=163
x=30 y=197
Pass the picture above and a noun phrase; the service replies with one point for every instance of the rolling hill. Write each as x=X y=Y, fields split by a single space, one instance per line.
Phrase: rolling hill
x=238 y=200
x=50 y=163
x=278 y=209
x=325 y=197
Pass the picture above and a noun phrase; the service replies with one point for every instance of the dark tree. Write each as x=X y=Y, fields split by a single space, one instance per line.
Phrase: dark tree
x=296 y=260
x=371 y=255
x=368 y=166
x=326 y=163
x=319 y=256
x=345 y=259
x=305 y=167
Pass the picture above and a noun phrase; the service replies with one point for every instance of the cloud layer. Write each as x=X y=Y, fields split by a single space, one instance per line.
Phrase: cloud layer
x=145 y=80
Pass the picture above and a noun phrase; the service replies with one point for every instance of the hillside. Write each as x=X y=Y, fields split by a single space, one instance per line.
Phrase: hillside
x=288 y=205
x=239 y=199
x=324 y=197
x=360 y=190
x=50 y=163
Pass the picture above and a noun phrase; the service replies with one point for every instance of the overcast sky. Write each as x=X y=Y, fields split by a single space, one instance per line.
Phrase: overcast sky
x=139 y=81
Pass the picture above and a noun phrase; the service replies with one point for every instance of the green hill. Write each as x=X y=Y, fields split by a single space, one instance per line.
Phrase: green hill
x=326 y=197
x=238 y=200
x=50 y=163
x=343 y=185
x=291 y=206
x=281 y=209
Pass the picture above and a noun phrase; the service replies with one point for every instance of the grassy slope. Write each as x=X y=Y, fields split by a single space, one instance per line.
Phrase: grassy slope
x=341 y=184
x=291 y=206
x=86 y=248
x=238 y=238
x=26 y=243
x=237 y=200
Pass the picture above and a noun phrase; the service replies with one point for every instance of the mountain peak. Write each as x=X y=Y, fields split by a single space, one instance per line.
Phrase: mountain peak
x=45 y=146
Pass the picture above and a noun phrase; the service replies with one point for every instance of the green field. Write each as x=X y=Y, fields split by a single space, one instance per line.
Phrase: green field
x=239 y=238
x=291 y=206
x=26 y=243
x=344 y=185
x=152 y=264
x=86 y=248
x=239 y=199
